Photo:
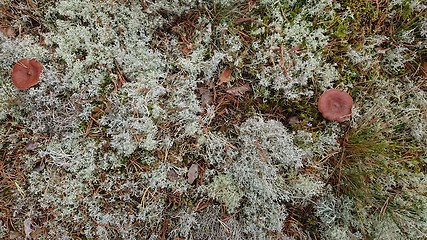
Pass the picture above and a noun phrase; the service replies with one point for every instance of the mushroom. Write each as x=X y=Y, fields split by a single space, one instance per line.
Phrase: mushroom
x=26 y=73
x=335 y=105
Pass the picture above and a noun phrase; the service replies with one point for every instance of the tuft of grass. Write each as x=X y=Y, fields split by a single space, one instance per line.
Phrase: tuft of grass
x=372 y=170
x=302 y=223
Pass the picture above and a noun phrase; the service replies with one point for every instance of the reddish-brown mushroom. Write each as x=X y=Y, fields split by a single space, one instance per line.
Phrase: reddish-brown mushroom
x=26 y=73
x=335 y=105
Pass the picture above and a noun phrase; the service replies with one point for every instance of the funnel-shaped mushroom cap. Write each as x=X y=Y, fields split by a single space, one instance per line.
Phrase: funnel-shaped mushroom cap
x=26 y=73
x=335 y=105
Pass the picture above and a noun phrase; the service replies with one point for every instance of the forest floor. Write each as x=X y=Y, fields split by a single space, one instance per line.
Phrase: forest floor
x=199 y=120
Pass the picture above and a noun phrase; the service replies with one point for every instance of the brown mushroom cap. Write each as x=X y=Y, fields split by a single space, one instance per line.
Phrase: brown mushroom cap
x=26 y=73
x=335 y=105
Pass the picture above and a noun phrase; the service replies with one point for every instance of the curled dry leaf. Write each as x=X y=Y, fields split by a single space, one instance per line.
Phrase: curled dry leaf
x=297 y=49
x=239 y=90
x=206 y=96
x=27 y=228
x=187 y=49
x=31 y=146
x=8 y=31
x=172 y=175
x=193 y=173
x=292 y=120
x=423 y=69
x=225 y=76
x=40 y=166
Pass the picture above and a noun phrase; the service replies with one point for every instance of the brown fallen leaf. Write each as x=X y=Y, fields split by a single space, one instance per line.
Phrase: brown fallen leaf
x=172 y=175
x=239 y=90
x=292 y=120
x=187 y=49
x=27 y=228
x=31 y=146
x=7 y=31
x=206 y=97
x=297 y=49
x=193 y=173
x=225 y=76
x=423 y=69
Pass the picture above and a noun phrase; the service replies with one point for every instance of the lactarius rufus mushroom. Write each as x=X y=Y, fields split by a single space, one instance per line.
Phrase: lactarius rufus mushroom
x=26 y=73
x=335 y=105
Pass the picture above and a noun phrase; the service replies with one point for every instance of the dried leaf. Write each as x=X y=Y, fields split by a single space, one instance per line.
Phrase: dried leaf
x=27 y=228
x=424 y=69
x=193 y=173
x=225 y=76
x=297 y=49
x=31 y=146
x=172 y=175
x=40 y=166
x=239 y=90
x=7 y=31
x=187 y=49
x=206 y=97
x=14 y=235
x=292 y=120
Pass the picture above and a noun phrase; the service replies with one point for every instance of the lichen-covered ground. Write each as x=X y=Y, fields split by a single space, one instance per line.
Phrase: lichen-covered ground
x=197 y=119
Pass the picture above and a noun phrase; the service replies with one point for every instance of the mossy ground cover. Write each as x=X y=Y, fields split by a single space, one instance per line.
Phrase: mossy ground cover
x=134 y=93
